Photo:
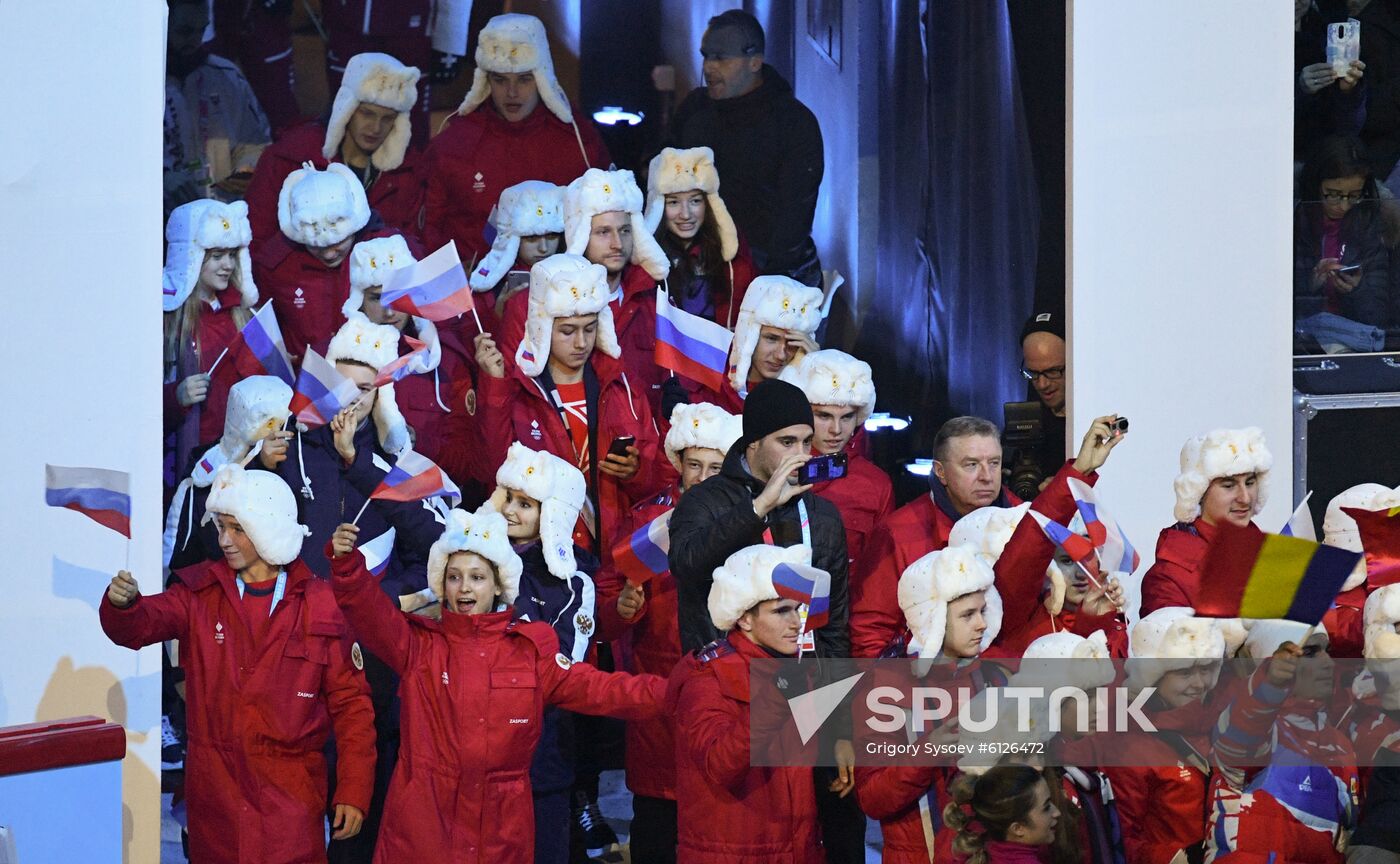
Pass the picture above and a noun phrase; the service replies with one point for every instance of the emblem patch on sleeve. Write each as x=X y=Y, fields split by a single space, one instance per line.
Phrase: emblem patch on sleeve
x=564 y=662
x=357 y=656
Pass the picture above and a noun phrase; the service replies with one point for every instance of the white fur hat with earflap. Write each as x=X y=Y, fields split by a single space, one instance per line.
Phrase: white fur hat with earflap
x=983 y=748
x=672 y=171
x=513 y=44
x=561 y=491
x=375 y=345
x=526 y=209
x=1379 y=617
x=987 y=530
x=831 y=377
x=1267 y=634
x=932 y=582
x=1095 y=669
x=379 y=80
x=371 y=261
x=257 y=406
x=745 y=579
x=1168 y=639
x=701 y=425
x=1339 y=529
x=194 y=229
x=597 y=192
x=1221 y=453
x=771 y=301
x=263 y=504
x=322 y=208
x=483 y=533
x=564 y=286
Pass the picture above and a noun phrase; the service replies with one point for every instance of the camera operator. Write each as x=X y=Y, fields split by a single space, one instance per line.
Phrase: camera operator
x=1036 y=439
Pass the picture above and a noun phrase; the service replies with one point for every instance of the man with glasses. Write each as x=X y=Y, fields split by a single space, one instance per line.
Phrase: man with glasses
x=1043 y=365
x=767 y=145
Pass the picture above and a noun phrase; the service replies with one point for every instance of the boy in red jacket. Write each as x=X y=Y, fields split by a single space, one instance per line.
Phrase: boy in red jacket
x=270 y=672
x=729 y=810
x=475 y=686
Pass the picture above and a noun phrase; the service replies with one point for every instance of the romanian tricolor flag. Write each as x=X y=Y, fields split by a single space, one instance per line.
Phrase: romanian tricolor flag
x=1249 y=574
x=1380 y=537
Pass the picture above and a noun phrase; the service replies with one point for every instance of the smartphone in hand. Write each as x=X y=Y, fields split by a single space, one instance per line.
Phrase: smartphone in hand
x=819 y=469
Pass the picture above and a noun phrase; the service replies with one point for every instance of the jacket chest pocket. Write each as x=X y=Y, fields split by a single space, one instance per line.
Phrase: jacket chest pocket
x=513 y=698
x=305 y=660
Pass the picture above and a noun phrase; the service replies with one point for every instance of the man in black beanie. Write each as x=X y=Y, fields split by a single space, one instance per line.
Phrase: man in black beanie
x=756 y=498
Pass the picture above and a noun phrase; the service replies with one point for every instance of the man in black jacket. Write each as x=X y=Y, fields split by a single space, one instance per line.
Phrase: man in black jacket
x=768 y=146
x=755 y=499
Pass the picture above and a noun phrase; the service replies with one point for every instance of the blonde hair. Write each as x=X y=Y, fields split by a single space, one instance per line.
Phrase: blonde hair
x=182 y=327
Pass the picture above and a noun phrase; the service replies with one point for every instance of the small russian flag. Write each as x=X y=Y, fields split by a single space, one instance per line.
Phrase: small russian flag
x=435 y=288
x=412 y=363
x=642 y=556
x=259 y=348
x=377 y=552
x=1079 y=548
x=101 y=495
x=414 y=477
x=689 y=345
x=321 y=391
x=1116 y=554
x=806 y=585
x=1300 y=524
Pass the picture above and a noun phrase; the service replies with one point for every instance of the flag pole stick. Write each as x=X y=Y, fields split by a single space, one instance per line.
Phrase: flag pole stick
x=127 y=566
x=477 y=317
x=210 y=373
x=356 y=520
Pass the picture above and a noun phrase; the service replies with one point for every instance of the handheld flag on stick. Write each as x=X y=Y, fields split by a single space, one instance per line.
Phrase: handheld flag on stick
x=689 y=345
x=1247 y=574
x=1077 y=547
x=435 y=288
x=1116 y=553
x=101 y=495
x=808 y=586
x=411 y=363
x=642 y=556
x=321 y=391
x=377 y=552
x=259 y=348
x=1380 y=537
x=1300 y=524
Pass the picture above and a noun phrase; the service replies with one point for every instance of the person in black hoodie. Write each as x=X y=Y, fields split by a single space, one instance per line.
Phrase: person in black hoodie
x=767 y=146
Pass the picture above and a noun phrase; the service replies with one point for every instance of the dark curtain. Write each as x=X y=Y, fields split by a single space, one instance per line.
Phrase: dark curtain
x=957 y=235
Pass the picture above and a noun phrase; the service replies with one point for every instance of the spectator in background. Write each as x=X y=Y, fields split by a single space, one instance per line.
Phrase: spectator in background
x=1324 y=103
x=208 y=296
x=214 y=128
x=842 y=395
x=427 y=34
x=710 y=264
x=367 y=131
x=480 y=153
x=258 y=35
x=1043 y=365
x=1343 y=240
x=767 y=146
x=322 y=215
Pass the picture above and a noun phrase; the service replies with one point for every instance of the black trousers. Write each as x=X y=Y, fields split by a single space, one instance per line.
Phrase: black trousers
x=653 y=830
x=841 y=819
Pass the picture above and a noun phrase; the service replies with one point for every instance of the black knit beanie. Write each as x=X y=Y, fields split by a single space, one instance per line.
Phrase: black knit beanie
x=772 y=405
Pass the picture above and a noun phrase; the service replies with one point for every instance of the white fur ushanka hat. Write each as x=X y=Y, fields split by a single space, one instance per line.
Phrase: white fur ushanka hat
x=771 y=301
x=514 y=43
x=1378 y=620
x=672 y=171
x=1171 y=638
x=526 y=209
x=831 y=377
x=371 y=262
x=745 y=579
x=597 y=191
x=379 y=80
x=564 y=286
x=1221 y=453
x=701 y=425
x=932 y=582
x=1094 y=668
x=988 y=529
x=264 y=505
x=322 y=208
x=375 y=345
x=483 y=533
x=561 y=491
x=194 y=229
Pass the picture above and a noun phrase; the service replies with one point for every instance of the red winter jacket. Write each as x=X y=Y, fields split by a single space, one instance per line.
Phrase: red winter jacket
x=260 y=714
x=395 y=195
x=1014 y=643
x=215 y=332
x=473 y=692
x=921 y=527
x=1173 y=579
x=515 y=408
x=306 y=295
x=1162 y=802
x=651 y=643
x=435 y=405
x=477 y=156
x=727 y=810
x=1343 y=622
x=865 y=497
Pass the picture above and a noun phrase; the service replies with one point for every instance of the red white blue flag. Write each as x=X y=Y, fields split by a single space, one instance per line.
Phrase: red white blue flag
x=259 y=348
x=806 y=585
x=321 y=391
x=435 y=288
x=412 y=363
x=689 y=345
x=414 y=477
x=642 y=556
x=1077 y=547
x=1116 y=553
x=101 y=495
